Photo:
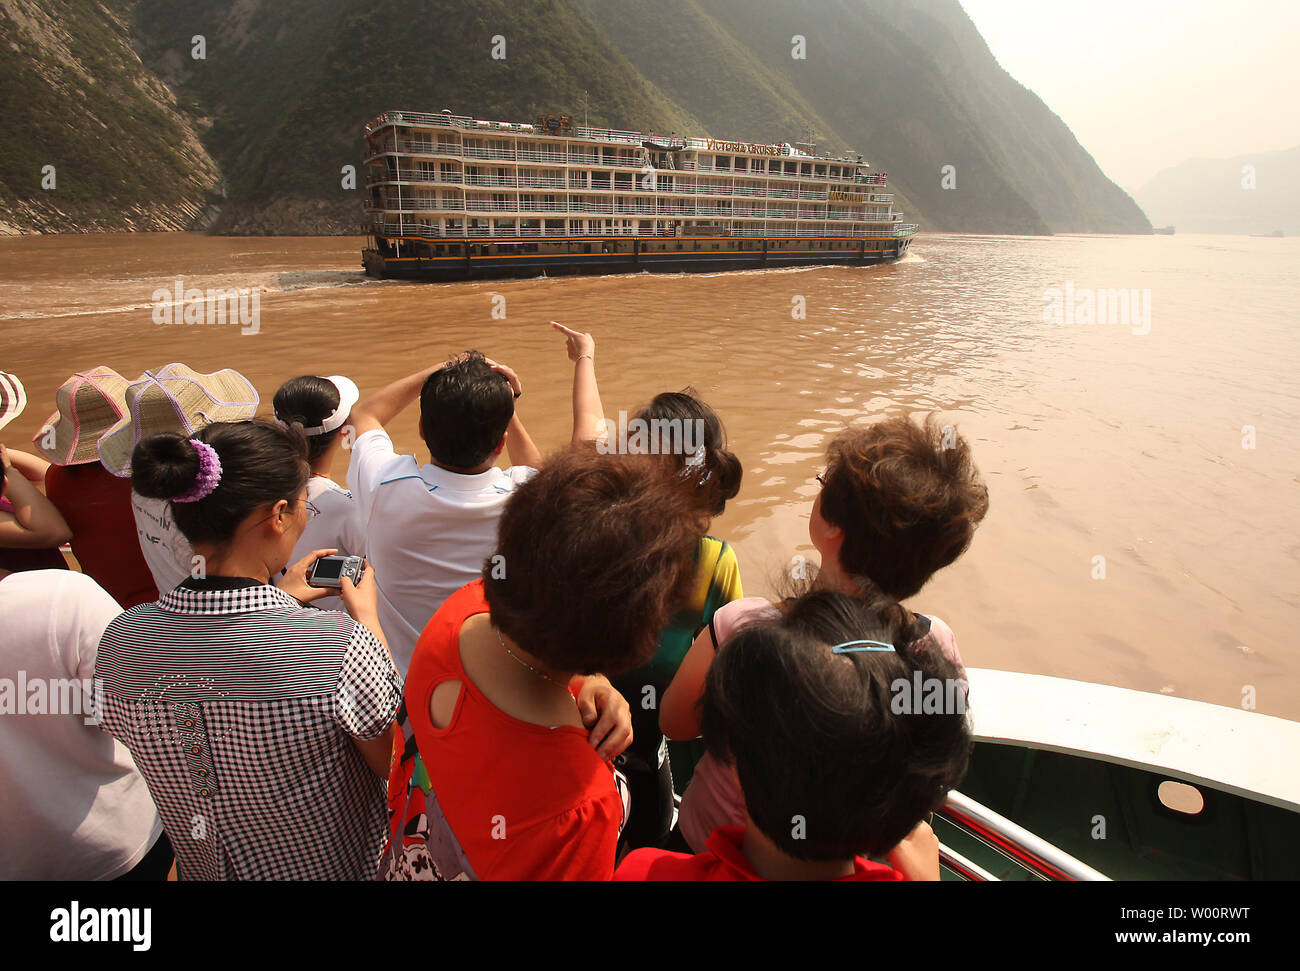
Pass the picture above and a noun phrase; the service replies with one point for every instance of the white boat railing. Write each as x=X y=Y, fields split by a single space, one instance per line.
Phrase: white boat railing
x=474 y=151
x=536 y=155
x=1014 y=841
x=415 y=228
x=672 y=212
x=467 y=123
x=658 y=186
x=413 y=175
x=490 y=180
x=962 y=866
x=640 y=208
x=635 y=185
x=609 y=134
x=420 y=147
x=428 y=205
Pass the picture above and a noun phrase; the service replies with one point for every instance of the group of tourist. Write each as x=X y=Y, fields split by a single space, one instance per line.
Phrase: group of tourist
x=495 y=697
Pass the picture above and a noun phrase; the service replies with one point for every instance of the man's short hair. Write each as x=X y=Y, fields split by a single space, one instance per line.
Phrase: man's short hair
x=465 y=408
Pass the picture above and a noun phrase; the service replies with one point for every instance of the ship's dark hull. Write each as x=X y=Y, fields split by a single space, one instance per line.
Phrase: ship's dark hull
x=469 y=266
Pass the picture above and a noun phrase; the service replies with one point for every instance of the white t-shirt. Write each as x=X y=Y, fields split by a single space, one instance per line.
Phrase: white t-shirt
x=428 y=531
x=334 y=525
x=168 y=553
x=72 y=806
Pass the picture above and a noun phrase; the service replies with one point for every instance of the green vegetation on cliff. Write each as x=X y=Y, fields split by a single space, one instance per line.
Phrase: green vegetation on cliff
x=284 y=87
x=289 y=102
x=910 y=85
x=75 y=96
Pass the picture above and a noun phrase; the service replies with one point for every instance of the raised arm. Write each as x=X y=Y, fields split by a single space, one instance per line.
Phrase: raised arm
x=679 y=716
x=35 y=523
x=387 y=403
x=588 y=413
x=520 y=448
x=519 y=445
x=33 y=467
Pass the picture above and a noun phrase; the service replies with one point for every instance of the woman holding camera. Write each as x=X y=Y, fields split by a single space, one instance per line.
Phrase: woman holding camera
x=262 y=728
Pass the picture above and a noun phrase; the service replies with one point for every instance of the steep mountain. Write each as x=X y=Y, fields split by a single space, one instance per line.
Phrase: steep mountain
x=290 y=83
x=1248 y=194
x=910 y=84
x=74 y=95
x=118 y=93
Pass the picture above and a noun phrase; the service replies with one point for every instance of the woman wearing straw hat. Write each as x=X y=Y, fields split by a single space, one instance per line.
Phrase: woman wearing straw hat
x=31 y=528
x=95 y=504
x=174 y=399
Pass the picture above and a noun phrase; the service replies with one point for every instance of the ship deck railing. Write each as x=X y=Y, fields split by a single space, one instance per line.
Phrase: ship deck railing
x=467 y=123
x=416 y=176
x=525 y=181
x=416 y=204
x=1023 y=849
x=417 y=147
x=455 y=149
x=414 y=229
x=665 y=180
x=471 y=124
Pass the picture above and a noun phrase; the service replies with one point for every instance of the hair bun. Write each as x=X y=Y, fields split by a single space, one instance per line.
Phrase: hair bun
x=163 y=466
x=728 y=471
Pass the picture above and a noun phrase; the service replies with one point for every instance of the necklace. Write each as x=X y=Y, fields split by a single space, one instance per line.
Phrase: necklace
x=540 y=674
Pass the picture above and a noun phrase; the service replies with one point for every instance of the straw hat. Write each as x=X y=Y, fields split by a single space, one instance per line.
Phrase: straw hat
x=90 y=403
x=175 y=399
x=13 y=398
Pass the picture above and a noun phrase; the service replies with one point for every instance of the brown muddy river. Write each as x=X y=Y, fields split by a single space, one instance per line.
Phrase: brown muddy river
x=1122 y=442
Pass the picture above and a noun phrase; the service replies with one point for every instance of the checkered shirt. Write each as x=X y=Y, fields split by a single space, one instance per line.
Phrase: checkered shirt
x=239 y=707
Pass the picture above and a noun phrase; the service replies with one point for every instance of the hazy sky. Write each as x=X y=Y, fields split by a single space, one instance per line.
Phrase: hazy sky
x=1146 y=84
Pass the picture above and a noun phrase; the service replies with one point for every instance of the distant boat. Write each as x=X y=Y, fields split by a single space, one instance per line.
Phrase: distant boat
x=1164 y=231
x=453 y=198
x=1275 y=234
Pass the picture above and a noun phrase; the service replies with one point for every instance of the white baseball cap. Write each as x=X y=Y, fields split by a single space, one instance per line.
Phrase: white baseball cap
x=348 y=397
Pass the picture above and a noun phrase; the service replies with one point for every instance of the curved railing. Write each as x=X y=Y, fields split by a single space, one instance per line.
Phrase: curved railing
x=1010 y=840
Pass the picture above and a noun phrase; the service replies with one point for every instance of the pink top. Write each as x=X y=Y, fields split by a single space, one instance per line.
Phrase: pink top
x=713 y=797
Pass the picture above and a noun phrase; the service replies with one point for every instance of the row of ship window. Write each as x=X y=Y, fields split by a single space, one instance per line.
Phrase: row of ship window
x=776 y=245
x=719 y=162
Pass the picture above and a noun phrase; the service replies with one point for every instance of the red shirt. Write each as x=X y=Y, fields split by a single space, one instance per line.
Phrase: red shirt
x=522 y=801
x=20 y=559
x=97 y=507
x=722 y=861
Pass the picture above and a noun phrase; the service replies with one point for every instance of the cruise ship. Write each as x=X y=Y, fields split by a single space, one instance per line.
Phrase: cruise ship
x=452 y=197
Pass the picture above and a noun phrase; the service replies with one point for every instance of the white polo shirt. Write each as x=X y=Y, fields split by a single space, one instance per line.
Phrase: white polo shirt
x=72 y=806
x=428 y=531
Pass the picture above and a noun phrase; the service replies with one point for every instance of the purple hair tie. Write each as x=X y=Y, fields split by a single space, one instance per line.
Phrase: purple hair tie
x=209 y=474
